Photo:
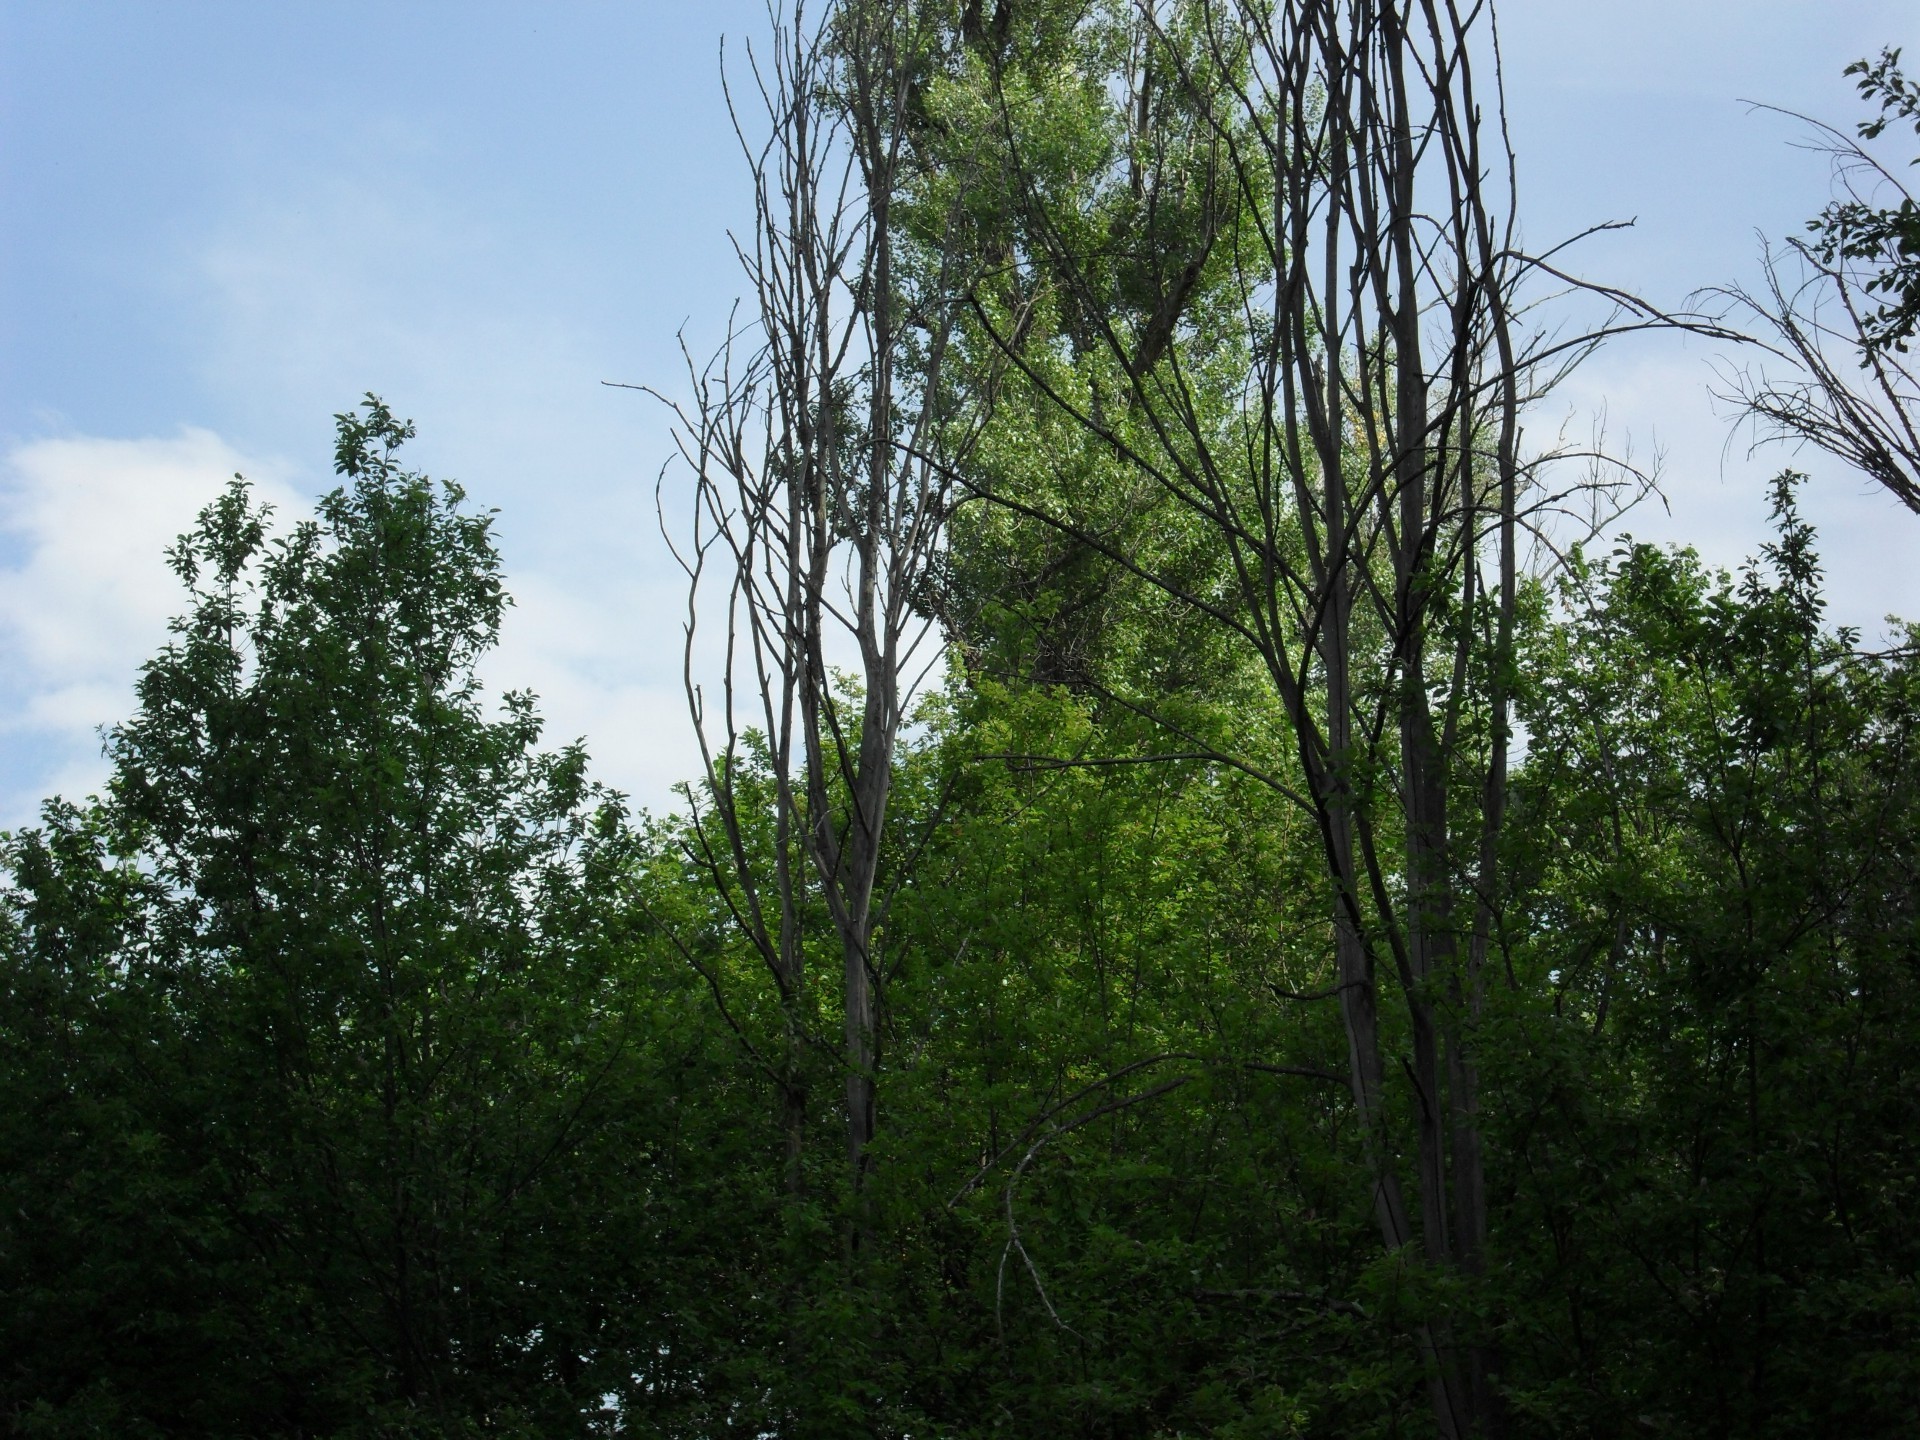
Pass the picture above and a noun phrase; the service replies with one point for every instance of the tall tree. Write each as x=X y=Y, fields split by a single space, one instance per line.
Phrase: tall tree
x=311 y=1023
x=821 y=480
x=1270 y=274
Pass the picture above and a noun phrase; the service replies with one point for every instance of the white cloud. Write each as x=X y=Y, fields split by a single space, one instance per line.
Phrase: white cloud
x=602 y=651
x=86 y=594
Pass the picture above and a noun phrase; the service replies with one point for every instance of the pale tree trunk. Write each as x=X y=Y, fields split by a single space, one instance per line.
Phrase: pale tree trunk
x=820 y=490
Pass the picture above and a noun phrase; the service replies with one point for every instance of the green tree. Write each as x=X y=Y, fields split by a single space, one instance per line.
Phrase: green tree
x=1259 y=328
x=1886 y=236
x=1708 y=1114
x=315 y=1024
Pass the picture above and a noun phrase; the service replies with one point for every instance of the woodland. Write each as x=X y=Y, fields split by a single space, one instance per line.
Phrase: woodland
x=1223 y=895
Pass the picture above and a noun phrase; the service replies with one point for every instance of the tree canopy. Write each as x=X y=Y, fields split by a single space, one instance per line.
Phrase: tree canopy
x=1295 y=966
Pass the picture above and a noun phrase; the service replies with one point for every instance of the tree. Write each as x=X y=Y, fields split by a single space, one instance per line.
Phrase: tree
x=819 y=503
x=314 y=1020
x=1840 y=306
x=1263 y=260
x=1708 y=1127
x=1237 y=1029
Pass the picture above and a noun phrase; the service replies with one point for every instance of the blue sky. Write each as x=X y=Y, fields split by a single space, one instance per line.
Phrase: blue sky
x=223 y=220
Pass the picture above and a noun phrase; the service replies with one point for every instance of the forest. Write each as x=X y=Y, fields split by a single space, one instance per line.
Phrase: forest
x=1224 y=894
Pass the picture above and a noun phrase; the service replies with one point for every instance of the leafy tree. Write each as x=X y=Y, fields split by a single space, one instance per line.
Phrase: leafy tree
x=1233 y=366
x=1886 y=237
x=1302 y=974
x=315 y=1023
x=1708 y=1129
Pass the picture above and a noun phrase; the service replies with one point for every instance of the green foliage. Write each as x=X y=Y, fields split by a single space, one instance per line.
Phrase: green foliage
x=368 y=1074
x=1886 y=237
x=366 y=1070
x=314 y=1024
x=1709 y=1128
x=1117 y=1150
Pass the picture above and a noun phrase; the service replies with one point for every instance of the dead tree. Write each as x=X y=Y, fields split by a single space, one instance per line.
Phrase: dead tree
x=813 y=538
x=1835 y=370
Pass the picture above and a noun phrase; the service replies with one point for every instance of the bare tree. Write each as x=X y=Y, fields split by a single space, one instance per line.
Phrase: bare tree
x=1349 y=192
x=1839 y=305
x=814 y=536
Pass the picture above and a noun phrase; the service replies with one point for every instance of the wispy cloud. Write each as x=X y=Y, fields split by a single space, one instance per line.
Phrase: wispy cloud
x=472 y=323
x=87 y=594
x=603 y=654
